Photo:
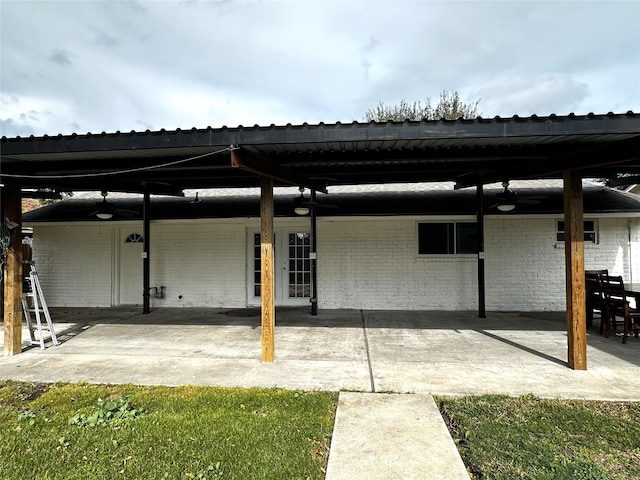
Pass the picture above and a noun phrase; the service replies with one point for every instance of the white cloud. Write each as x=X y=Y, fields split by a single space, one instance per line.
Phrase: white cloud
x=31 y=114
x=539 y=94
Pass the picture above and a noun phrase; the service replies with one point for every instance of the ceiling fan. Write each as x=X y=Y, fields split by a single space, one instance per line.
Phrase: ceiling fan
x=302 y=204
x=507 y=200
x=106 y=210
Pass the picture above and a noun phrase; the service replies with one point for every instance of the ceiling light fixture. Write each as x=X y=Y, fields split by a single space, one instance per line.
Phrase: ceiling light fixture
x=300 y=204
x=105 y=209
x=506 y=208
x=507 y=199
x=104 y=215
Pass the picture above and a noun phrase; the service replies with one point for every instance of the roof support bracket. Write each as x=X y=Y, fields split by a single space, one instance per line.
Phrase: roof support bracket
x=249 y=161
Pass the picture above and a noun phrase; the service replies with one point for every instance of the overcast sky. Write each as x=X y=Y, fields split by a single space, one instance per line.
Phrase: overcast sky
x=92 y=66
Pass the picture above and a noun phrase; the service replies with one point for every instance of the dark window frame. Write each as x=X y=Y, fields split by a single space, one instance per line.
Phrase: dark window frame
x=454 y=238
x=590 y=231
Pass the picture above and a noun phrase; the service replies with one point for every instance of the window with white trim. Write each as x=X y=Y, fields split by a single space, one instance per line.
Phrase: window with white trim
x=590 y=231
x=447 y=238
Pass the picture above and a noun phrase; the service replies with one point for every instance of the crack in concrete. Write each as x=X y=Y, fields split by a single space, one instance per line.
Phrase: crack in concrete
x=366 y=347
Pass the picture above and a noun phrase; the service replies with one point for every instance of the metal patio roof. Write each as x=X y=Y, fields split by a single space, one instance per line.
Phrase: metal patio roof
x=463 y=151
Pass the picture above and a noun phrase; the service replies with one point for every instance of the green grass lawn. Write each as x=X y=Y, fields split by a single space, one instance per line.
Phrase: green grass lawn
x=88 y=432
x=81 y=431
x=501 y=437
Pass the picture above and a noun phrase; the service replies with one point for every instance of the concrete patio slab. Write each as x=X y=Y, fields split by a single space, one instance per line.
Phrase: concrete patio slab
x=457 y=353
x=443 y=353
x=206 y=347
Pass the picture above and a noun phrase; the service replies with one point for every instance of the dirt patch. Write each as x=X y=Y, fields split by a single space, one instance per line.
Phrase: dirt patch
x=16 y=393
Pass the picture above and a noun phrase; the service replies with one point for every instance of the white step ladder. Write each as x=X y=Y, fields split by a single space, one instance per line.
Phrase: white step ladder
x=33 y=302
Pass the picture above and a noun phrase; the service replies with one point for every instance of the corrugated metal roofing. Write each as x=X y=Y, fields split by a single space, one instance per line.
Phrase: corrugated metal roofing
x=489 y=149
x=324 y=138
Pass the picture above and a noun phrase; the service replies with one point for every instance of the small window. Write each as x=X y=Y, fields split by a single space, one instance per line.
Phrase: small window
x=440 y=238
x=134 y=238
x=590 y=231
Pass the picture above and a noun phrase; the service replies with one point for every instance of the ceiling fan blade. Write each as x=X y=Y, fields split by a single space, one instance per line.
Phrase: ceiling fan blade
x=530 y=201
x=126 y=213
x=322 y=205
x=535 y=197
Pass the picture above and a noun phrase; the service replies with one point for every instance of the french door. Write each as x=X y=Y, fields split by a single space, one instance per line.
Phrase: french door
x=292 y=267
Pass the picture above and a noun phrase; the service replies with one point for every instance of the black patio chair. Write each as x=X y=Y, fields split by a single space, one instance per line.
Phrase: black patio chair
x=619 y=306
x=596 y=300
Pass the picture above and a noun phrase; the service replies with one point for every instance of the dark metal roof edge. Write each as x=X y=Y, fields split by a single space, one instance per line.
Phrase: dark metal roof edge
x=537 y=125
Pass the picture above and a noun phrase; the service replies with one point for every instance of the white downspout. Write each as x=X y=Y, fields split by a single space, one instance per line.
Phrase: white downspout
x=630 y=251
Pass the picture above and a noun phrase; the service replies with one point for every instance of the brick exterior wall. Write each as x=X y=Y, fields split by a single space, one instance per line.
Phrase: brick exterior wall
x=373 y=264
x=524 y=265
x=369 y=263
x=74 y=264
x=202 y=262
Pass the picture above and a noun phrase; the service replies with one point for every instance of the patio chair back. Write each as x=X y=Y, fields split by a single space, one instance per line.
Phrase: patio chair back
x=618 y=304
x=614 y=290
x=595 y=298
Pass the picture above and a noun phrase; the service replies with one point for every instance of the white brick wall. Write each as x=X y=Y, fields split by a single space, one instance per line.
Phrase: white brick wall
x=74 y=264
x=373 y=264
x=613 y=250
x=203 y=262
x=524 y=269
x=634 y=226
x=362 y=263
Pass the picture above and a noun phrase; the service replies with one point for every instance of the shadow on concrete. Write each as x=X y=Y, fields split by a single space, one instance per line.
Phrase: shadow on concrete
x=522 y=347
x=523 y=330
x=466 y=320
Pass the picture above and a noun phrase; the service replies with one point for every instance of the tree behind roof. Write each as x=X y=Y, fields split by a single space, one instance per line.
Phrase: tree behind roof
x=449 y=107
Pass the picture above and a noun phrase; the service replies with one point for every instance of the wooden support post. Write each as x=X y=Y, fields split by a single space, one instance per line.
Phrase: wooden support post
x=267 y=288
x=12 y=209
x=574 y=260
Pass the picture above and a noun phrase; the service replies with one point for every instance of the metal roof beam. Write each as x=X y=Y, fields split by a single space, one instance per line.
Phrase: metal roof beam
x=623 y=181
x=250 y=162
x=616 y=157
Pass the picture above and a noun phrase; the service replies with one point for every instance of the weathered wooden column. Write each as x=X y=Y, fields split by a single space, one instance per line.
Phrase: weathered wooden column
x=12 y=209
x=268 y=171
x=267 y=290
x=574 y=260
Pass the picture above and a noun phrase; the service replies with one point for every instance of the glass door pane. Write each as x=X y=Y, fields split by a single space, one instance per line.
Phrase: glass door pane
x=299 y=265
x=257 y=278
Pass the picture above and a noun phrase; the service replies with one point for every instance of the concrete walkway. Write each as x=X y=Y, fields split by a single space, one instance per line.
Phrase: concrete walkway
x=415 y=353
x=381 y=436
